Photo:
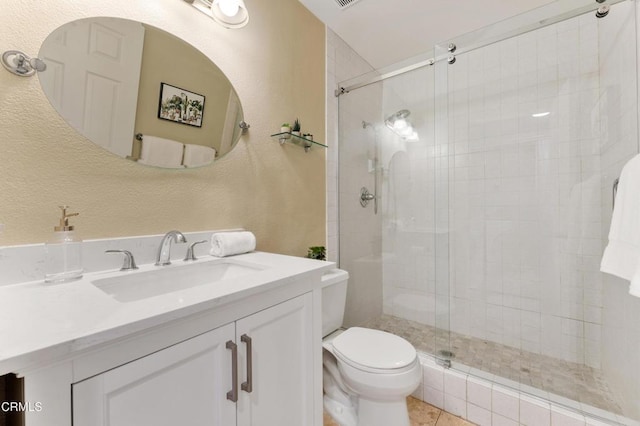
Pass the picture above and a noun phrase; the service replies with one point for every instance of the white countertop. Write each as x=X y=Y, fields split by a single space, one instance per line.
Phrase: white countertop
x=41 y=321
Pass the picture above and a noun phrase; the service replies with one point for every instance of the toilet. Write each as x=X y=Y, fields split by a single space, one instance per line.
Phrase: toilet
x=367 y=374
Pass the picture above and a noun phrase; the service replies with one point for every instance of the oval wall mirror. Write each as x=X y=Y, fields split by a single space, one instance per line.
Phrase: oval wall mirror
x=140 y=92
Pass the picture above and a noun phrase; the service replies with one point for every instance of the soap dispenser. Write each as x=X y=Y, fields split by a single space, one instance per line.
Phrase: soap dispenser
x=63 y=252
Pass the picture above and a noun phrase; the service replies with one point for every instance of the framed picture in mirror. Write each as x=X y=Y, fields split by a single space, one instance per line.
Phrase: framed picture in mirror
x=180 y=105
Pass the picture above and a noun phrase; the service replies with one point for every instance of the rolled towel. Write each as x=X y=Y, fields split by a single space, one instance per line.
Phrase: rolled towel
x=161 y=152
x=198 y=155
x=230 y=243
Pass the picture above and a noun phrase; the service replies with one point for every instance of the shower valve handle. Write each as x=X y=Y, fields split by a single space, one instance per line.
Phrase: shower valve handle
x=366 y=196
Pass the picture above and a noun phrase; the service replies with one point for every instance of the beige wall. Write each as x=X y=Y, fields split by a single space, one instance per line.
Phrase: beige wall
x=167 y=59
x=276 y=64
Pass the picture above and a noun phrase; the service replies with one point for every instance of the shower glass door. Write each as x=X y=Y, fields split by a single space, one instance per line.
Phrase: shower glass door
x=360 y=226
x=537 y=115
x=388 y=243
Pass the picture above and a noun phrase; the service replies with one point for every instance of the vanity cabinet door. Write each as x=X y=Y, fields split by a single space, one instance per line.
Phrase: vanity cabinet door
x=281 y=363
x=185 y=384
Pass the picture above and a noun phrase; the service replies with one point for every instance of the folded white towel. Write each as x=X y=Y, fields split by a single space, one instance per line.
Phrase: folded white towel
x=622 y=255
x=161 y=152
x=198 y=155
x=230 y=243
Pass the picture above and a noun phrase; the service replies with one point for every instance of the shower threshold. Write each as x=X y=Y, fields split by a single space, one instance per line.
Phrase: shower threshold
x=566 y=379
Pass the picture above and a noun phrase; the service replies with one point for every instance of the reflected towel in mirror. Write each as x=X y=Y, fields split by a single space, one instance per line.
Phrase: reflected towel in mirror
x=230 y=243
x=161 y=152
x=198 y=155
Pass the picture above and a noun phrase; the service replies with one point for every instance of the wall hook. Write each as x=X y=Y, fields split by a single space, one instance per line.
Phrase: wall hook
x=244 y=126
x=19 y=63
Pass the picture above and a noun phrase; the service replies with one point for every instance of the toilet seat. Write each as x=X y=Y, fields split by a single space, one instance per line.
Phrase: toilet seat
x=374 y=351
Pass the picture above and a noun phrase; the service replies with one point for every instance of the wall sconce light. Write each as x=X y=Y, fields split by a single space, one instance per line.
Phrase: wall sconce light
x=20 y=64
x=400 y=126
x=228 y=13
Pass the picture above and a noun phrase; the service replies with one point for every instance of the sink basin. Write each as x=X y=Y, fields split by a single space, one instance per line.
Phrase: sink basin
x=141 y=285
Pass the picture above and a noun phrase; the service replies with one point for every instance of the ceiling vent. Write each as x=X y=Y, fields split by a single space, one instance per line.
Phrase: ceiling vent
x=343 y=4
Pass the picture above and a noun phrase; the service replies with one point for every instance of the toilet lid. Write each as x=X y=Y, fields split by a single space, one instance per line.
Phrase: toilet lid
x=374 y=348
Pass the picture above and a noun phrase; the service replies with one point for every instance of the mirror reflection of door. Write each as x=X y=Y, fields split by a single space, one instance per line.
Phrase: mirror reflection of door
x=98 y=63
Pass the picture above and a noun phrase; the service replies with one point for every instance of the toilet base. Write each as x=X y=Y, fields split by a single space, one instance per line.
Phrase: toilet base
x=369 y=413
x=382 y=413
x=342 y=414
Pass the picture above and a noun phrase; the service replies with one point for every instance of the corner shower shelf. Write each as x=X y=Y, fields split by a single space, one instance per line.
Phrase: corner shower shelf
x=298 y=140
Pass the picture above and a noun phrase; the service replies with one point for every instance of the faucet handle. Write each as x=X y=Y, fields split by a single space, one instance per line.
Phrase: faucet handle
x=190 y=254
x=129 y=262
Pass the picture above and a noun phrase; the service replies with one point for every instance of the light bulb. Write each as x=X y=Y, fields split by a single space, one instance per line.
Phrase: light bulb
x=229 y=7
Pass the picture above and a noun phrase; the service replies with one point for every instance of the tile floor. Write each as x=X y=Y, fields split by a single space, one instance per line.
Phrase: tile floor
x=421 y=414
x=567 y=379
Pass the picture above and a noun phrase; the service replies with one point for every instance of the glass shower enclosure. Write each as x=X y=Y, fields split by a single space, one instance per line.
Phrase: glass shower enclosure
x=475 y=195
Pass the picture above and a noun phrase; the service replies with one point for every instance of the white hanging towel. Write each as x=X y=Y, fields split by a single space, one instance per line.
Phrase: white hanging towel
x=230 y=243
x=198 y=155
x=161 y=152
x=622 y=255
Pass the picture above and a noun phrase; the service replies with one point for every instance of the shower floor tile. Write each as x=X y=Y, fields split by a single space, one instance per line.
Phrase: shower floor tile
x=570 y=380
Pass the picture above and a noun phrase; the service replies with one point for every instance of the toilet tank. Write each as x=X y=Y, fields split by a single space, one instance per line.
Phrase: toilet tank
x=334 y=299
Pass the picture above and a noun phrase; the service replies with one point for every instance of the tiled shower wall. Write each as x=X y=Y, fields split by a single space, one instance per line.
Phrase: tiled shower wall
x=343 y=63
x=359 y=248
x=408 y=200
x=526 y=220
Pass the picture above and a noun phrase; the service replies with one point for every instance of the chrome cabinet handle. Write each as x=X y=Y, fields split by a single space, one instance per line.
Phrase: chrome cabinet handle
x=248 y=385
x=232 y=395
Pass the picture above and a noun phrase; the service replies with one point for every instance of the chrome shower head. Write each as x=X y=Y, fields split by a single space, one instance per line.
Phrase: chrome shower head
x=397 y=118
x=399 y=124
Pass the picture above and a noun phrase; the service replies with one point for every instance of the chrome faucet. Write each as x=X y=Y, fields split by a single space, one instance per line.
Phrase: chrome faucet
x=164 y=251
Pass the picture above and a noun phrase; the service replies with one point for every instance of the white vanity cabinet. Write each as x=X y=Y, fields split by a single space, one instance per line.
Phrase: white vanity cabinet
x=282 y=360
x=183 y=384
x=193 y=382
